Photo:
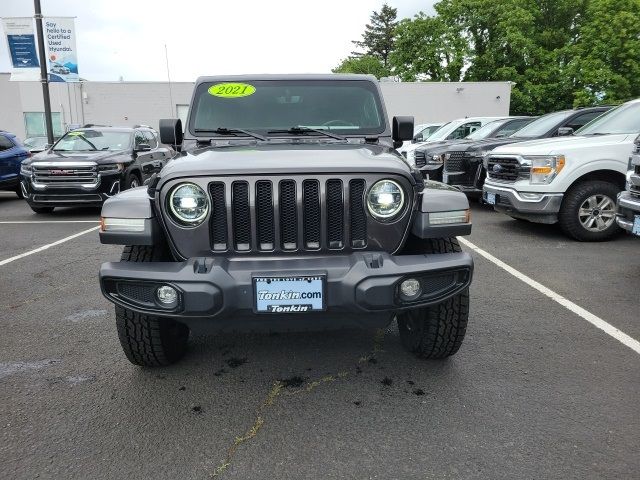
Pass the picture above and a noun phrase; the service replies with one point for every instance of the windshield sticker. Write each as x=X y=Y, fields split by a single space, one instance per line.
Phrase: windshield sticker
x=75 y=134
x=231 y=90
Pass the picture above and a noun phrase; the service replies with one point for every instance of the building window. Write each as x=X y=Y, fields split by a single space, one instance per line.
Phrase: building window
x=34 y=124
x=182 y=111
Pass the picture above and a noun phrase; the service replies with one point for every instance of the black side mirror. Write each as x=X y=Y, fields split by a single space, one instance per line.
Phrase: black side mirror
x=401 y=129
x=143 y=147
x=565 y=131
x=171 y=132
x=417 y=139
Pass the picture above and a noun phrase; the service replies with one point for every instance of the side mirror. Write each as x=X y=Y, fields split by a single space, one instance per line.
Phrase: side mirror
x=565 y=131
x=401 y=129
x=143 y=147
x=171 y=132
x=417 y=139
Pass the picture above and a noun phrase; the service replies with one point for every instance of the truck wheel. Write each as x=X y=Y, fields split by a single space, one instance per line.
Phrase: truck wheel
x=436 y=331
x=132 y=181
x=588 y=211
x=41 y=209
x=147 y=340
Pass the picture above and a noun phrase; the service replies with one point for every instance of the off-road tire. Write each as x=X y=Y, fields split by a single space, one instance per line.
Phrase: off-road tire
x=147 y=340
x=40 y=210
x=568 y=215
x=437 y=331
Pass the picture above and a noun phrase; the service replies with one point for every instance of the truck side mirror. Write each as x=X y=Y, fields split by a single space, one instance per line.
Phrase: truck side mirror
x=565 y=131
x=401 y=129
x=171 y=132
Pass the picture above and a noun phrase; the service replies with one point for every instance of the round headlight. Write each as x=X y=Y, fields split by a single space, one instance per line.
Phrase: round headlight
x=189 y=204
x=385 y=199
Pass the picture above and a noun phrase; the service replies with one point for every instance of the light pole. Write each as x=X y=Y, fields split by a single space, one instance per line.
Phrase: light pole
x=43 y=72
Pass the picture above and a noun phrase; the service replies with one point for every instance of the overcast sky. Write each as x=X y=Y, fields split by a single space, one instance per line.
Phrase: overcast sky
x=126 y=38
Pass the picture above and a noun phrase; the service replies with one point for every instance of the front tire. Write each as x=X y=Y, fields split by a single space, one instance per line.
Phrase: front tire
x=588 y=211
x=436 y=331
x=147 y=340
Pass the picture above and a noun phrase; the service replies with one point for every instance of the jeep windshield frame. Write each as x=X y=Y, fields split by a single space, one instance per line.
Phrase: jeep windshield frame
x=347 y=107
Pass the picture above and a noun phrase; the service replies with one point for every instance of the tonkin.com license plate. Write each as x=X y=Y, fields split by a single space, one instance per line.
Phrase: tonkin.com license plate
x=289 y=294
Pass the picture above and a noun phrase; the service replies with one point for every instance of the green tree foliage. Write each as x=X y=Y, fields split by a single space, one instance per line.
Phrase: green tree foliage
x=378 y=39
x=559 y=53
x=362 y=64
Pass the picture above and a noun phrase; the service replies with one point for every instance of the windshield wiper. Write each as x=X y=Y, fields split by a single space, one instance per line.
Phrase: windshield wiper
x=231 y=131
x=302 y=130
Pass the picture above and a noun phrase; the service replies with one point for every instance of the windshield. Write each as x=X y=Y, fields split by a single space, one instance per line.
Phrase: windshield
x=88 y=140
x=445 y=130
x=623 y=119
x=351 y=107
x=485 y=131
x=542 y=125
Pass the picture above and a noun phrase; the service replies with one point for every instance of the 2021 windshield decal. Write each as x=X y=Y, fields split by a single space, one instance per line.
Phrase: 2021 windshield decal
x=231 y=90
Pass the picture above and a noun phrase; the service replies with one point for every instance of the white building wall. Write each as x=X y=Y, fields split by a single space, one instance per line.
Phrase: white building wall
x=130 y=103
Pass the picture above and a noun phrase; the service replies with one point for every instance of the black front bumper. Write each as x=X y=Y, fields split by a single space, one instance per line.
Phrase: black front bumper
x=72 y=196
x=363 y=286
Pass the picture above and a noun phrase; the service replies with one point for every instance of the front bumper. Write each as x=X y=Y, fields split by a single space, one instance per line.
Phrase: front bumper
x=67 y=196
x=362 y=285
x=541 y=207
x=627 y=208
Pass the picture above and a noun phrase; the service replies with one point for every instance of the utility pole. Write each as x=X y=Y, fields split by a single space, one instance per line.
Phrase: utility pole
x=43 y=72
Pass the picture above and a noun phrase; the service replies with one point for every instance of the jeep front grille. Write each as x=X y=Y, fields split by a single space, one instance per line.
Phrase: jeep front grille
x=288 y=215
x=64 y=174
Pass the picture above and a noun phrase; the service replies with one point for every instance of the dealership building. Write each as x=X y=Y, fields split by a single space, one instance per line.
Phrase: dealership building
x=130 y=103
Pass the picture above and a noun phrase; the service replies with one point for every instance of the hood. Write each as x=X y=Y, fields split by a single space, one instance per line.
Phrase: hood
x=99 y=157
x=549 y=146
x=267 y=159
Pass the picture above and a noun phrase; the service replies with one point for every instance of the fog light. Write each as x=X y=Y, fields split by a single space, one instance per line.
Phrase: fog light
x=410 y=289
x=167 y=295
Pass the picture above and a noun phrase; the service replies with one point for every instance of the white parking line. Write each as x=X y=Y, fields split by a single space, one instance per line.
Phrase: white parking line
x=44 y=247
x=609 y=329
x=16 y=222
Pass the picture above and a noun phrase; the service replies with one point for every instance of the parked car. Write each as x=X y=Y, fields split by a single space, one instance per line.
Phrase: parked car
x=454 y=130
x=628 y=204
x=12 y=153
x=571 y=180
x=430 y=157
x=279 y=215
x=88 y=165
x=421 y=133
x=60 y=69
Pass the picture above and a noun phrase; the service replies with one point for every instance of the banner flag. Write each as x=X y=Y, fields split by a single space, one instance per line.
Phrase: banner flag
x=60 y=42
x=21 y=42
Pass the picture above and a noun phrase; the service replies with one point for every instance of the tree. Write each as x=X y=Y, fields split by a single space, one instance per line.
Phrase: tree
x=362 y=64
x=605 y=65
x=378 y=38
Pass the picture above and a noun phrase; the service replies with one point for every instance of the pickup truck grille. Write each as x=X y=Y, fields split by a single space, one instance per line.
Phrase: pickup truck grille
x=454 y=162
x=65 y=174
x=503 y=168
x=289 y=214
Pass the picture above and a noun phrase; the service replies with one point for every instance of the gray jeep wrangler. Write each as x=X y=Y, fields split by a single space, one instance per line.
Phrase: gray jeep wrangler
x=286 y=208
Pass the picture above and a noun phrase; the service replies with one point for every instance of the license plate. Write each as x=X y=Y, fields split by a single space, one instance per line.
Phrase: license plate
x=491 y=198
x=636 y=225
x=289 y=294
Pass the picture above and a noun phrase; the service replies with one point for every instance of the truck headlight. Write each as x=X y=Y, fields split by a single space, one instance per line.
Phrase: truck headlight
x=111 y=167
x=189 y=204
x=544 y=168
x=385 y=199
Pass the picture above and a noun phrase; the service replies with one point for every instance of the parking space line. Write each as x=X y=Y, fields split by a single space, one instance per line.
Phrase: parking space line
x=596 y=321
x=45 y=247
x=16 y=222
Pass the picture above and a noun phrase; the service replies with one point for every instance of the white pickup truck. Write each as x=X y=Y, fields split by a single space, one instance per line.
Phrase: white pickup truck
x=570 y=180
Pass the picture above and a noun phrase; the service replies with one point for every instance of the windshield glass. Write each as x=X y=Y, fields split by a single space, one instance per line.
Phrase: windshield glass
x=351 y=107
x=445 y=130
x=485 y=131
x=87 y=140
x=543 y=124
x=623 y=119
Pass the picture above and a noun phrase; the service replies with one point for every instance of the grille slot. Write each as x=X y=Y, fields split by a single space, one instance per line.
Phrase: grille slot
x=287 y=214
x=420 y=158
x=503 y=168
x=241 y=216
x=218 y=217
x=454 y=162
x=357 y=214
x=335 y=214
x=264 y=215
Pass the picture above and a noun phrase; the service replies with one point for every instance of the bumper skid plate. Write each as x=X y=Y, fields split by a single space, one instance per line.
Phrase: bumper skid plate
x=360 y=283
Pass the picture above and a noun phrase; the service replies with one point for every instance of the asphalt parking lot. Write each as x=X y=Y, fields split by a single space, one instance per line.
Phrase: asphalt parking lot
x=536 y=391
